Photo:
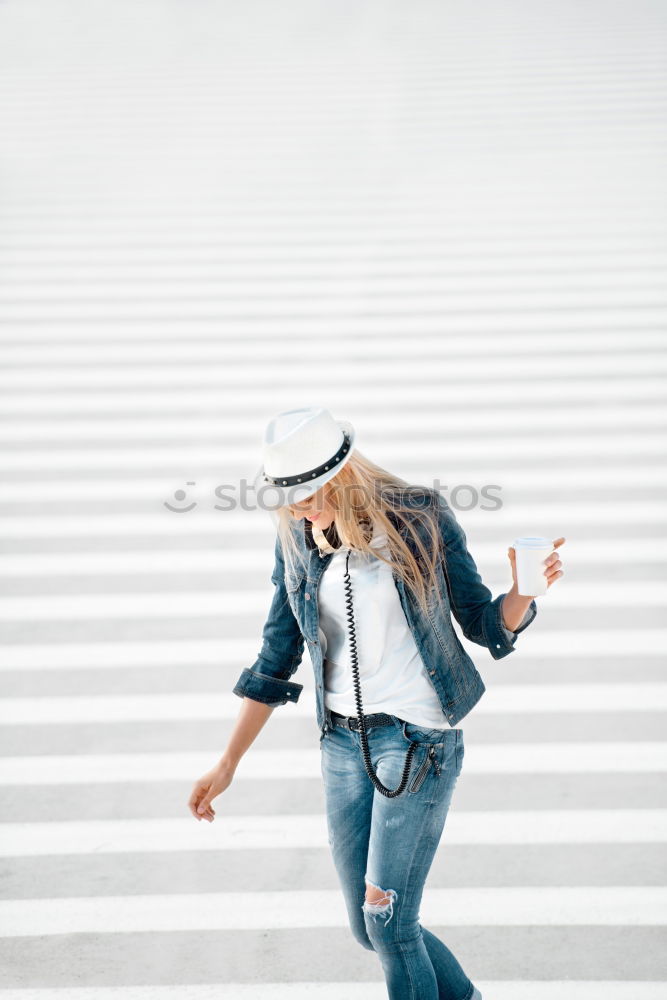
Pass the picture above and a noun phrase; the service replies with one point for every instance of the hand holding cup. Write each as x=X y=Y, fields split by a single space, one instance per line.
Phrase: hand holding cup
x=534 y=562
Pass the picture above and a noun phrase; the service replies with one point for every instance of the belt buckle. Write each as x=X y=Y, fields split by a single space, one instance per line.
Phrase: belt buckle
x=342 y=720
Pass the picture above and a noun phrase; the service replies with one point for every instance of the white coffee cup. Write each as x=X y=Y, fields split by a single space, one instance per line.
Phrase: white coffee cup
x=532 y=551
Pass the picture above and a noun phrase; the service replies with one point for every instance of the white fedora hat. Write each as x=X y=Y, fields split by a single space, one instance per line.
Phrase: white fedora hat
x=302 y=450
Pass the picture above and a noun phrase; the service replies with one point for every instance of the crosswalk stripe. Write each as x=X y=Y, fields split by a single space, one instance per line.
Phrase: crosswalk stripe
x=565 y=757
x=368 y=990
x=594 y=644
x=440 y=352
x=586 y=556
x=220 y=374
x=114 y=456
x=468 y=426
x=141 y=398
x=181 y=604
x=164 y=521
x=309 y=830
x=142 y=653
x=503 y=700
x=520 y=479
x=140 y=347
x=319 y=227
x=541 y=906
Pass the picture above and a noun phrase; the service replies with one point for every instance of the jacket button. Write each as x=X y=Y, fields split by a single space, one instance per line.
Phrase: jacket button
x=432 y=673
x=307 y=597
x=497 y=645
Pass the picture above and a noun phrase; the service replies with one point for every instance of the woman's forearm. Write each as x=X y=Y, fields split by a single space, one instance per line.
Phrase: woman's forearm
x=514 y=608
x=251 y=718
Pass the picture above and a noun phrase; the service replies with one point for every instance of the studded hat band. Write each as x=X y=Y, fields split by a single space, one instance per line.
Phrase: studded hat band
x=303 y=477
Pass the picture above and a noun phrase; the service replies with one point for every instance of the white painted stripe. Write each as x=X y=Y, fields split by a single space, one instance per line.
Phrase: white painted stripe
x=272 y=241
x=151 y=399
x=36 y=269
x=309 y=830
x=644 y=125
x=593 y=644
x=260 y=241
x=440 y=351
x=114 y=655
x=539 y=906
x=450 y=369
x=628 y=757
x=174 y=605
x=511 y=476
x=505 y=699
x=501 y=989
x=187 y=456
x=244 y=279
x=645 y=419
x=583 y=554
x=581 y=643
x=299 y=299
x=152 y=254
x=165 y=522
x=177 y=605
x=26 y=244
x=316 y=284
x=319 y=288
x=569 y=698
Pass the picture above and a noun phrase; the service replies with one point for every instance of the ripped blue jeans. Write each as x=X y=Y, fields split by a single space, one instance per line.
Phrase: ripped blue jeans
x=389 y=844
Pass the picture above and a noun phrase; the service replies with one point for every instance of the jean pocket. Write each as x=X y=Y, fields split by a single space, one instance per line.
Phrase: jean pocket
x=413 y=733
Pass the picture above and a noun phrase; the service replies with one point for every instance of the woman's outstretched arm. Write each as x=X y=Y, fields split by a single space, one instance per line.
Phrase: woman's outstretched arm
x=251 y=718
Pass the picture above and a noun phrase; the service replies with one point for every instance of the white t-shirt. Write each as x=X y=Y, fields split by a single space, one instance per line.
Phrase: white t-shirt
x=392 y=674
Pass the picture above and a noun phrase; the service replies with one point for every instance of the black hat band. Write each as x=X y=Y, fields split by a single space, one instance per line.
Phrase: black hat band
x=312 y=473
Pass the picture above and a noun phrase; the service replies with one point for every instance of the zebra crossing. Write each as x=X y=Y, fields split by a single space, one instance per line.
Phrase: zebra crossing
x=443 y=224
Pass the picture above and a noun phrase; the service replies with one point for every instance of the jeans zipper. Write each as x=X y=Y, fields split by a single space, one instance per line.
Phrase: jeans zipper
x=421 y=773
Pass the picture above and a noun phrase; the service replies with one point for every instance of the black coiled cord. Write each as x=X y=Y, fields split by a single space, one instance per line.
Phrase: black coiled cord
x=360 y=711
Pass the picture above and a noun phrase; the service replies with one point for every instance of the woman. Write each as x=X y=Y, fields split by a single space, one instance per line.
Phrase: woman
x=378 y=627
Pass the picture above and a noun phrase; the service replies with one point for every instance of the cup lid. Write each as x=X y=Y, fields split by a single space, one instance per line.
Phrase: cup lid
x=533 y=542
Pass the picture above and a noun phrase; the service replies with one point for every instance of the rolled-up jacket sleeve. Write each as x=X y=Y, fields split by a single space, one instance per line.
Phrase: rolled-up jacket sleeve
x=267 y=680
x=476 y=610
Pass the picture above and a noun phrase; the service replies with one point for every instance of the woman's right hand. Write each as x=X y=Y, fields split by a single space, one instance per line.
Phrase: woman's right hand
x=205 y=790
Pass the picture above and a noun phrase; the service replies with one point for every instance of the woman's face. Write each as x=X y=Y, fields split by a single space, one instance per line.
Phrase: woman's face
x=315 y=508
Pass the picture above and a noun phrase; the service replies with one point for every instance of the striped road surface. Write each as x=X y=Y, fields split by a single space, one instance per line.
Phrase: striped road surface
x=443 y=222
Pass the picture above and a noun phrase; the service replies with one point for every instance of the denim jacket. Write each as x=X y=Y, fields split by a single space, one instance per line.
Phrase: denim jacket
x=293 y=620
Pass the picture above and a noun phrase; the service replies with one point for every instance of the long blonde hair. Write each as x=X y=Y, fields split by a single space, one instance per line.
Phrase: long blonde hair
x=363 y=493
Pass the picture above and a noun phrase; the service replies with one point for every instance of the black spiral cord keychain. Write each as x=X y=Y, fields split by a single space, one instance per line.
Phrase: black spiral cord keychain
x=360 y=711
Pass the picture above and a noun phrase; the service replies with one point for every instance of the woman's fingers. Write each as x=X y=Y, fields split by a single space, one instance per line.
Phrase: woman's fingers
x=197 y=804
x=208 y=788
x=205 y=810
x=553 y=565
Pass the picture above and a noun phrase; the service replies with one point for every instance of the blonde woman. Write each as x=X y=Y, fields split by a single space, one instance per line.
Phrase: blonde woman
x=368 y=572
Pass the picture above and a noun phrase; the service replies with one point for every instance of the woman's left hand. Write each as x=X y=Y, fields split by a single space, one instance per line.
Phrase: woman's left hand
x=553 y=566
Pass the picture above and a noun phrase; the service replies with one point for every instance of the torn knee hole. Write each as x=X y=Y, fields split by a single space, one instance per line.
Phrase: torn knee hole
x=380 y=902
x=376 y=895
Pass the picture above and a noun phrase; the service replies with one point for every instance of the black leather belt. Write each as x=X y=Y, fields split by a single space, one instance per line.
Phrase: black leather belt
x=352 y=722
